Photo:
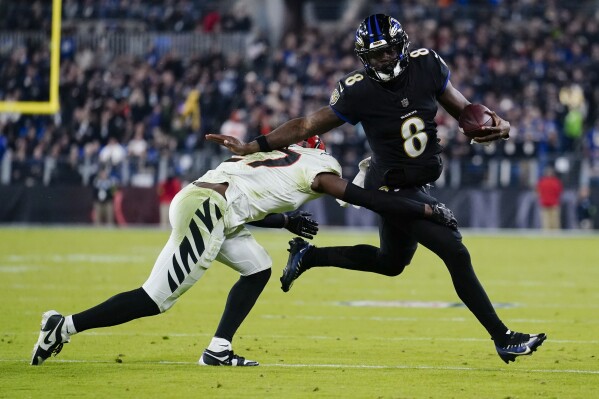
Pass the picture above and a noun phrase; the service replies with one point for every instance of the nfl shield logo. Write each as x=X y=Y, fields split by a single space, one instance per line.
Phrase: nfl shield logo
x=334 y=97
x=405 y=102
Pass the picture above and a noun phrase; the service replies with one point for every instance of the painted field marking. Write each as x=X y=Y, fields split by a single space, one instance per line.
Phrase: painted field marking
x=75 y=258
x=347 y=366
x=159 y=335
x=436 y=319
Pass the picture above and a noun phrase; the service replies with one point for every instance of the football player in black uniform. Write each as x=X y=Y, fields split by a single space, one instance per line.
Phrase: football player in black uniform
x=395 y=98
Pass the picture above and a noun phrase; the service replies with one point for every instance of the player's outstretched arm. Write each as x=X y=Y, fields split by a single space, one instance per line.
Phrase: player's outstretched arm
x=290 y=132
x=234 y=145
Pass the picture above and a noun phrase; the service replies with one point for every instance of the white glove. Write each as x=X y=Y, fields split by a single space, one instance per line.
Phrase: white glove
x=358 y=180
x=484 y=144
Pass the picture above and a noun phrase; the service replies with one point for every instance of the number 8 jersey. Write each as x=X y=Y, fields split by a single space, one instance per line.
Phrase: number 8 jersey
x=270 y=182
x=397 y=116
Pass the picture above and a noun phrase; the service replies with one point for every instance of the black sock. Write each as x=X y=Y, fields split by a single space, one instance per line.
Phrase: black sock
x=501 y=338
x=119 y=309
x=241 y=300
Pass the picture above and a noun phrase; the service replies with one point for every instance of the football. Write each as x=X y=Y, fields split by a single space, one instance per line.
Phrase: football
x=473 y=118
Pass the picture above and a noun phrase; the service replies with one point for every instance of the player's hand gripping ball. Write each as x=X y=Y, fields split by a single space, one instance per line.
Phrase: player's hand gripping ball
x=473 y=118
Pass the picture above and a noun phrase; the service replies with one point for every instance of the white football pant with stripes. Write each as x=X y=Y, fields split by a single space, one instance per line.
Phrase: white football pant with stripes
x=198 y=237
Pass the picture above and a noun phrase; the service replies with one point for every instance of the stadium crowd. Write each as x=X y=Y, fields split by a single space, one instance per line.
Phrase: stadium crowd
x=130 y=15
x=535 y=62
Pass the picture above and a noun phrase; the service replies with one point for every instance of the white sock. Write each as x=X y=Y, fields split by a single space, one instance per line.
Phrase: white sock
x=68 y=327
x=219 y=344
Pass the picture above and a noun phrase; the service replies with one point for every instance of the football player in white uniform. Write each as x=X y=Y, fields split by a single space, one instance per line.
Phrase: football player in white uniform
x=208 y=220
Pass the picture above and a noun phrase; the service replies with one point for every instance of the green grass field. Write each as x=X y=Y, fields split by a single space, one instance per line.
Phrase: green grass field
x=310 y=342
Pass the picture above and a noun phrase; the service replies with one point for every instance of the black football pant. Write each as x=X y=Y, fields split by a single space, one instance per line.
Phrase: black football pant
x=399 y=238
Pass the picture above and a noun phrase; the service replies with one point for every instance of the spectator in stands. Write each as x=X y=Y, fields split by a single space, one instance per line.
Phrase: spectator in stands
x=66 y=171
x=591 y=147
x=113 y=153
x=549 y=190
x=137 y=148
x=585 y=209
x=234 y=126
x=105 y=187
x=19 y=163
x=166 y=192
x=211 y=22
x=238 y=20
x=3 y=144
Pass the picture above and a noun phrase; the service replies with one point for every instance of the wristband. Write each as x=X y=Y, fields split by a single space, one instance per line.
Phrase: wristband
x=263 y=144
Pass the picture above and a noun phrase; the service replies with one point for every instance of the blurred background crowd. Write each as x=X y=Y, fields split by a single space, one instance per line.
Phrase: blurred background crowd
x=142 y=82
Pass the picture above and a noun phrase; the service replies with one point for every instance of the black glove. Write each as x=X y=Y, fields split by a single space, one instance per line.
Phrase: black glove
x=444 y=216
x=299 y=223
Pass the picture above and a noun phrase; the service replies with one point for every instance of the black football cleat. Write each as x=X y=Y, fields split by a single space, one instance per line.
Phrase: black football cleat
x=293 y=269
x=519 y=344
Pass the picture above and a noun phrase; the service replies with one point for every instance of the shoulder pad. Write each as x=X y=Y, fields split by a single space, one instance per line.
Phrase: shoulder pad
x=349 y=81
x=424 y=55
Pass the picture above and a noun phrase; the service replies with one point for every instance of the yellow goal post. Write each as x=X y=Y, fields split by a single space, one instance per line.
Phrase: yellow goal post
x=52 y=105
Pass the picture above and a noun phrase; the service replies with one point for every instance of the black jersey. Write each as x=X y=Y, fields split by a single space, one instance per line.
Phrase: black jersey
x=398 y=117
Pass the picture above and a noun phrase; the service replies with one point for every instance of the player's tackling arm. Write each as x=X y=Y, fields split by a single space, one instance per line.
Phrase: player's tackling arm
x=290 y=132
x=383 y=202
x=378 y=201
x=296 y=222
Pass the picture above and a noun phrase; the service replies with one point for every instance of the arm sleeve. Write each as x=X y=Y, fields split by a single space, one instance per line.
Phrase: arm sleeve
x=383 y=202
x=273 y=221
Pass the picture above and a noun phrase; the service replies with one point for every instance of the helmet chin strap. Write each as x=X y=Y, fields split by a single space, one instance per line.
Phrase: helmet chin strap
x=385 y=77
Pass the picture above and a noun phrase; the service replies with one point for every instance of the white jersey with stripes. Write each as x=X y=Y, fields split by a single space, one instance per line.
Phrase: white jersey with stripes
x=270 y=182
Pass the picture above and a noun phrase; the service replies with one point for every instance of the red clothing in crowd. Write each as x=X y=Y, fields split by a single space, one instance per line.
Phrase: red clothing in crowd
x=211 y=21
x=550 y=190
x=168 y=189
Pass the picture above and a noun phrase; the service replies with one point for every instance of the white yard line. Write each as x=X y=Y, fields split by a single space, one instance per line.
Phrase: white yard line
x=341 y=366
x=159 y=335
